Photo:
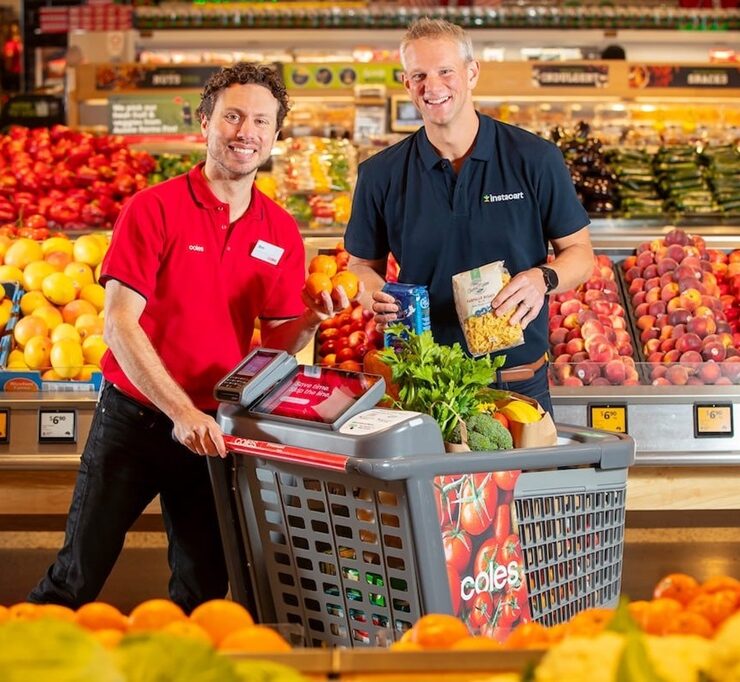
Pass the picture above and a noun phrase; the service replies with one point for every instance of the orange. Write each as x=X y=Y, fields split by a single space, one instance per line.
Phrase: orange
x=348 y=281
x=95 y=294
x=6 y=308
x=10 y=273
x=58 y=260
x=400 y=645
x=35 y=273
x=476 y=644
x=188 y=630
x=3 y=613
x=22 y=252
x=53 y=244
x=638 y=611
x=530 y=635
x=32 y=300
x=108 y=638
x=689 y=623
x=74 y=309
x=65 y=331
x=220 y=617
x=24 y=611
x=154 y=614
x=719 y=583
x=36 y=352
x=657 y=614
x=87 y=249
x=715 y=607
x=57 y=612
x=590 y=622
x=254 y=638
x=98 y=615
x=679 y=586
x=28 y=327
x=59 y=288
x=66 y=358
x=81 y=274
x=438 y=631
x=317 y=282
x=49 y=314
x=93 y=349
x=325 y=264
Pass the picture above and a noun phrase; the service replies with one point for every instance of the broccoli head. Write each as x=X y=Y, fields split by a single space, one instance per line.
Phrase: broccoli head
x=487 y=433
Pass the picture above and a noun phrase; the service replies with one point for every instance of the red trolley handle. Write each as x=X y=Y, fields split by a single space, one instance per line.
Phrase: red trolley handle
x=285 y=453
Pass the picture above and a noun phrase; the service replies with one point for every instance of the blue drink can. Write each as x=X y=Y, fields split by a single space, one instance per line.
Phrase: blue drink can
x=413 y=306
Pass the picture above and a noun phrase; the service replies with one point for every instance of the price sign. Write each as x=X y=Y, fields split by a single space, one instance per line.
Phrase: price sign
x=4 y=426
x=608 y=417
x=713 y=420
x=57 y=426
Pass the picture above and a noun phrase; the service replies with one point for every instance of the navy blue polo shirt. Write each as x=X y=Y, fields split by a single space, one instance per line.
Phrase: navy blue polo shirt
x=512 y=195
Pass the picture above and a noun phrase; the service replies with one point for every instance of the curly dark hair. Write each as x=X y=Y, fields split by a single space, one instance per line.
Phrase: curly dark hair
x=244 y=74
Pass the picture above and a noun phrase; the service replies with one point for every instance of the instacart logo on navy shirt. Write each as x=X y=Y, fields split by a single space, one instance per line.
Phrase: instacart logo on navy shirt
x=495 y=198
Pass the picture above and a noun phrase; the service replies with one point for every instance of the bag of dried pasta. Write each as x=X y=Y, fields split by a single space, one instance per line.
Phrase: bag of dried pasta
x=485 y=332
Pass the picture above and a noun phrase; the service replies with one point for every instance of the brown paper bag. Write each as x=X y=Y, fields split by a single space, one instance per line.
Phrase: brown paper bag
x=536 y=434
x=459 y=447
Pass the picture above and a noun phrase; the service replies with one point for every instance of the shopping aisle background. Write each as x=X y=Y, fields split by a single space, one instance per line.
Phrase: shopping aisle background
x=657 y=543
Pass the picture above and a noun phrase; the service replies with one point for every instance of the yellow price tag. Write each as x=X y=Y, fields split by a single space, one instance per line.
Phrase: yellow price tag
x=609 y=418
x=713 y=420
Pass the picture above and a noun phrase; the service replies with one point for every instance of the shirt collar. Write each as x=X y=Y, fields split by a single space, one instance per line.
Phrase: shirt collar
x=206 y=198
x=481 y=148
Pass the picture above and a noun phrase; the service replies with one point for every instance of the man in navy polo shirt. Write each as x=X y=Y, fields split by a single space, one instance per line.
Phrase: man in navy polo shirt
x=193 y=261
x=463 y=191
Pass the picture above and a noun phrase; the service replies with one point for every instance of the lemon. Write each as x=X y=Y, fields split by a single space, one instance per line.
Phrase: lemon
x=519 y=411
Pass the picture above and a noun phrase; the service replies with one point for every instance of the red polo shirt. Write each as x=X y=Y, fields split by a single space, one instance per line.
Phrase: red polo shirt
x=203 y=280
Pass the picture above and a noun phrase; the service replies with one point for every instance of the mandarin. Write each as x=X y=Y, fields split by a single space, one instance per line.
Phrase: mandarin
x=689 y=623
x=325 y=264
x=658 y=613
x=476 y=644
x=438 y=631
x=590 y=622
x=720 y=583
x=400 y=645
x=254 y=638
x=24 y=611
x=3 y=613
x=108 y=638
x=221 y=617
x=348 y=281
x=56 y=612
x=97 y=615
x=188 y=630
x=679 y=586
x=531 y=635
x=154 y=614
x=715 y=607
x=317 y=282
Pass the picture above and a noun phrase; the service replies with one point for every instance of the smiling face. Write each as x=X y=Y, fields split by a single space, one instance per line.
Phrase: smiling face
x=241 y=131
x=439 y=80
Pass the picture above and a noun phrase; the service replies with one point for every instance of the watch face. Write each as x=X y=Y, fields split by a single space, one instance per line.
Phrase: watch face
x=551 y=278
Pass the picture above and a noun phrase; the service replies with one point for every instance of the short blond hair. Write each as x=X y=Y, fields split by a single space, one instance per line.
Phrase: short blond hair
x=425 y=27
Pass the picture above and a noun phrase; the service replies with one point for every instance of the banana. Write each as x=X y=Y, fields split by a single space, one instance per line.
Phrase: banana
x=519 y=411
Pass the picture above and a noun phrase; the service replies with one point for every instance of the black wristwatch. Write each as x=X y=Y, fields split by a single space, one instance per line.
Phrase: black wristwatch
x=550 y=276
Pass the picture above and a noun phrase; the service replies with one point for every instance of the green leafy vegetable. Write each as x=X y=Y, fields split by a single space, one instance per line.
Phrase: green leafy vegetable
x=441 y=381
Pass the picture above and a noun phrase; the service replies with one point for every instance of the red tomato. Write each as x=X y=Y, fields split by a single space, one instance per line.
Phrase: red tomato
x=506 y=480
x=502 y=527
x=329 y=323
x=481 y=611
x=328 y=347
x=480 y=496
x=487 y=554
x=345 y=329
x=329 y=333
x=511 y=550
x=357 y=338
x=458 y=548
x=343 y=319
x=447 y=492
x=508 y=613
x=453 y=580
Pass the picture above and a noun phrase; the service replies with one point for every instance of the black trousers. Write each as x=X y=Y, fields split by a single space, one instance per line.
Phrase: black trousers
x=129 y=458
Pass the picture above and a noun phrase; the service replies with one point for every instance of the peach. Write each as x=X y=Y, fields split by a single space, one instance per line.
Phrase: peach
x=592 y=295
x=723 y=381
x=656 y=308
x=571 y=306
x=629 y=262
x=558 y=336
x=714 y=351
x=621 y=336
x=687 y=272
x=644 y=259
x=555 y=322
x=600 y=381
x=709 y=372
x=691 y=358
x=636 y=285
x=687 y=283
x=574 y=333
x=661 y=323
x=558 y=349
x=693 y=262
x=690 y=299
x=671 y=356
x=652 y=271
x=666 y=266
x=658 y=371
x=701 y=326
x=572 y=381
x=679 y=316
x=667 y=344
x=688 y=342
x=678 y=330
x=652 y=295
x=643 y=246
x=661 y=381
x=580 y=356
x=641 y=309
x=651 y=346
x=675 y=252
x=586 y=315
x=570 y=321
x=601 y=307
x=587 y=371
x=591 y=328
x=652 y=283
x=595 y=283
x=574 y=346
x=666 y=278
x=615 y=372
x=601 y=352
x=626 y=350
x=731 y=369
x=645 y=322
x=704 y=311
x=618 y=322
x=669 y=291
x=694 y=380
x=677 y=375
x=594 y=340
x=649 y=333
x=673 y=304
x=633 y=273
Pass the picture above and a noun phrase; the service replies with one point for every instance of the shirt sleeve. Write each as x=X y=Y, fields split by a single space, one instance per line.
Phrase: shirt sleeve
x=137 y=245
x=560 y=210
x=367 y=233
x=285 y=297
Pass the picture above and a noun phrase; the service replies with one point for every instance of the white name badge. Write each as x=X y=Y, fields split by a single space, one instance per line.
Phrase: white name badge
x=267 y=252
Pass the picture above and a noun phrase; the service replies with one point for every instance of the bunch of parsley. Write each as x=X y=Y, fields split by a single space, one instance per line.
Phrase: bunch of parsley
x=441 y=381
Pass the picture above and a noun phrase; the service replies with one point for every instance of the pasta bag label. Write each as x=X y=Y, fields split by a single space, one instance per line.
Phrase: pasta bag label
x=484 y=331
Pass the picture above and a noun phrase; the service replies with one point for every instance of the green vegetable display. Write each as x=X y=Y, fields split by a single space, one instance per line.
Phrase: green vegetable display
x=441 y=381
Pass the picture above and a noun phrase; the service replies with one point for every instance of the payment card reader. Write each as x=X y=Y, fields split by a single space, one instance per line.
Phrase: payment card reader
x=260 y=370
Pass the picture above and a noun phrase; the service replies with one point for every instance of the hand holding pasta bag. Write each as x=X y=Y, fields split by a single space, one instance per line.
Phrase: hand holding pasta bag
x=484 y=331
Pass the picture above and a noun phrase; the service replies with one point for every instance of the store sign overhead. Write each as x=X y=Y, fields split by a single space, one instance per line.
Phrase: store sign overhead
x=580 y=76
x=663 y=76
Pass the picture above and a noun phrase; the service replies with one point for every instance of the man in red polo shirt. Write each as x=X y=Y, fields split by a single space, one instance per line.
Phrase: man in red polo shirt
x=193 y=261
